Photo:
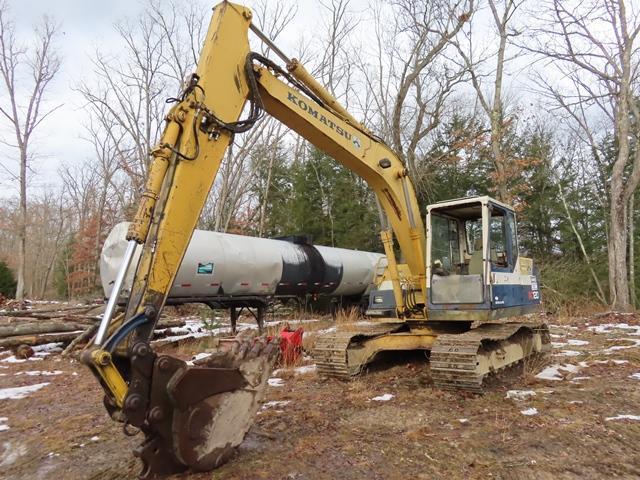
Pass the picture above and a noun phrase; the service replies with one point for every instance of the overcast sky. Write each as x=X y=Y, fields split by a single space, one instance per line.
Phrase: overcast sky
x=85 y=25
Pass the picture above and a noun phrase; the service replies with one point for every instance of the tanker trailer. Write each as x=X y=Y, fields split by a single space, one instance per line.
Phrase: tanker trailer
x=224 y=270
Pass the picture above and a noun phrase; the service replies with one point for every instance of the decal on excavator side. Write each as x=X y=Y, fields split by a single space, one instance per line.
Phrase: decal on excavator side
x=301 y=103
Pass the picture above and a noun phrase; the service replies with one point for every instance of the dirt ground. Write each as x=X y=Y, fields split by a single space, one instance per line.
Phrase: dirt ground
x=570 y=425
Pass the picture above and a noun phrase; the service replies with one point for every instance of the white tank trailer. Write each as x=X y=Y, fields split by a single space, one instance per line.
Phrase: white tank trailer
x=223 y=270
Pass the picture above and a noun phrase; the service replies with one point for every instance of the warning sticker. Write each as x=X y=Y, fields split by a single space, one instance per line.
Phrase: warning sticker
x=534 y=283
x=205 y=268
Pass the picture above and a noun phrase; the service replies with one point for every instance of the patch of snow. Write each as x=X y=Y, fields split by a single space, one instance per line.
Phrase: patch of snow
x=463 y=420
x=611 y=327
x=559 y=344
x=53 y=454
x=365 y=323
x=569 y=353
x=13 y=359
x=577 y=343
x=529 y=411
x=11 y=453
x=555 y=335
x=553 y=372
x=275 y=403
x=298 y=370
x=326 y=330
x=520 y=394
x=48 y=347
x=95 y=438
x=275 y=382
x=198 y=356
x=3 y=424
x=575 y=379
x=635 y=376
x=383 y=398
x=33 y=373
x=623 y=417
x=634 y=343
x=16 y=393
x=305 y=369
x=576 y=402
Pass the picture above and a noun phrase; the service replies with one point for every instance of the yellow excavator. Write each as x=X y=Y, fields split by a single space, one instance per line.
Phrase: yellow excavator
x=460 y=291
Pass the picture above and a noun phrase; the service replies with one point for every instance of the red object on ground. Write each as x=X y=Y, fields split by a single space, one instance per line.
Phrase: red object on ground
x=290 y=345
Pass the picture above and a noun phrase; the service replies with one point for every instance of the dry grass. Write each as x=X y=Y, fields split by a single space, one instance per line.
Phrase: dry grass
x=332 y=429
x=348 y=316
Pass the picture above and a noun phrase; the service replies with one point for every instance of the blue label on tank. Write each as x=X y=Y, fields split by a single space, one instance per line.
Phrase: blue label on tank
x=205 y=268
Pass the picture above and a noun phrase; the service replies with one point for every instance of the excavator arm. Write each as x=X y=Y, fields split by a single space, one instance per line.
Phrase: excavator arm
x=193 y=415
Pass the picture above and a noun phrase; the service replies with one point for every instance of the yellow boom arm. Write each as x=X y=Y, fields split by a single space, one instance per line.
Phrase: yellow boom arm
x=199 y=128
x=177 y=187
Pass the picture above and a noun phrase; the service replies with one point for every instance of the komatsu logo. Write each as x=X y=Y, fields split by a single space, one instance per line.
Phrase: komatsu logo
x=320 y=117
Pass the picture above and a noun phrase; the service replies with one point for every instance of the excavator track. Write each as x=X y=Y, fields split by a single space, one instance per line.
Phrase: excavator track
x=331 y=351
x=463 y=361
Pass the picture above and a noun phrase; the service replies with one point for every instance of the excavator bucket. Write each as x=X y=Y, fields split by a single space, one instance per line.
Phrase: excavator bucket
x=194 y=414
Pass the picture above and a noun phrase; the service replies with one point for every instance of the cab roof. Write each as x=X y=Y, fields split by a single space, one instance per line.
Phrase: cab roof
x=455 y=204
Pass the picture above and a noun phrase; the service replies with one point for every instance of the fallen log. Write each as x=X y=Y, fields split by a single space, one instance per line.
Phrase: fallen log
x=88 y=334
x=170 y=323
x=32 y=340
x=35 y=313
x=35 y=328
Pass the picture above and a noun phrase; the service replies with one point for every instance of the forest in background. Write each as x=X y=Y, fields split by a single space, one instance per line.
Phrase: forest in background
x=436 y=80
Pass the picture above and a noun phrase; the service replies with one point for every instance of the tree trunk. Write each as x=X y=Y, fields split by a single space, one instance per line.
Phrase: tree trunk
x=22 y=226
x=632 y=256
x=618 y=271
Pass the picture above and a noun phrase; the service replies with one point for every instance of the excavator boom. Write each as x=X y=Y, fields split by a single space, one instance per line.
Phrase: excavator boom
x=193 y=416
x=182 y=409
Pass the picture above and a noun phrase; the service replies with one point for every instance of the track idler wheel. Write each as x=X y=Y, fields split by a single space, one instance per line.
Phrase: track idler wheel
x=198 y=414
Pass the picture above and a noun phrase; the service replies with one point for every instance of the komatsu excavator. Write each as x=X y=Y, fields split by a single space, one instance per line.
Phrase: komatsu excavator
x=458 y=291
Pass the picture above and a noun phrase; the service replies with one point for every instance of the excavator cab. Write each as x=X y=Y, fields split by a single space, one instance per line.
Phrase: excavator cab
x=474 y=269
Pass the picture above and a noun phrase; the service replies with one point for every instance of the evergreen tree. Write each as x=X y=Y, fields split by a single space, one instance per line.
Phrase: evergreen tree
x=272 y=189
x=7 y=281
x=330 y=203
x=455 y=166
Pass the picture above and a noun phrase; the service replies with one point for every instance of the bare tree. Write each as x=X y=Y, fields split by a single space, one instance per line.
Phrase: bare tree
x=594 y=43
x=411 y=78
x=127 y=93
x=502 y=12
x=25 y=110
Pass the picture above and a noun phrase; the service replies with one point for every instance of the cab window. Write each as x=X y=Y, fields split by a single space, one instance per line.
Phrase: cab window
x=502 y=234
x=445 y=246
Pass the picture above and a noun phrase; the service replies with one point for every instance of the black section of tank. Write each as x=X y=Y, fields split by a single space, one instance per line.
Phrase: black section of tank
x=300 y=239
x=308 y=274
